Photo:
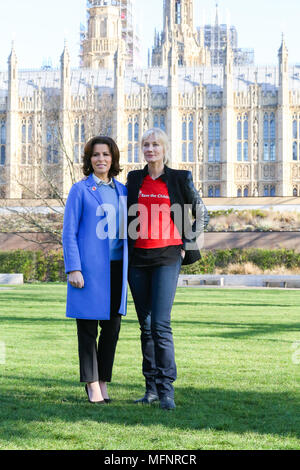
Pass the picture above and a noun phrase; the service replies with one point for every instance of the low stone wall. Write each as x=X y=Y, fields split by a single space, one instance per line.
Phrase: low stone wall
x=26 y=241
x=212 y=241
x=11 y=279
x=267 y=240
x=237 y=280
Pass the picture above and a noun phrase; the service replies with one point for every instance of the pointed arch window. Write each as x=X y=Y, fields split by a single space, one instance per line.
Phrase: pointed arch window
x=79 y=139
x=214 y=138
x=27 y=141
x=159 y=121
x=133 y=134
x=184 y=129
x=136 y=131
x=188 y=138
x=296 y=137
x=214 y=191
x=130 y=131
x=269 y=134
x=178 y=12
x=129 y=153
x=136 y=153
x=269 y=190
x=242 y=138
x=2 y=141
x=52 y=143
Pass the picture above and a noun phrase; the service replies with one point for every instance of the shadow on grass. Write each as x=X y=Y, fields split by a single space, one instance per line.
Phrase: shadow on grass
x=250 y=304
x=230 y=411
x=48 y=319
x=240 y=330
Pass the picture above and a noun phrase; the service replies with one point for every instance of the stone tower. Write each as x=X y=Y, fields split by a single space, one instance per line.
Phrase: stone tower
x=13 y=190
x=65 y=120
x=227 y=120
x=179 y=30
x=284 y=119
x=103 y=34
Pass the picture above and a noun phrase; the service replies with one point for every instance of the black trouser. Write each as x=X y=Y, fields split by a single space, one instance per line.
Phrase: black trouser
x=96 y=362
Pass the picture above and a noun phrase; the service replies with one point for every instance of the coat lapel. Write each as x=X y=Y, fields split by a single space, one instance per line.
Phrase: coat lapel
x=139 y=182
x=170 y=185
x=122 y=197
x=93 y=189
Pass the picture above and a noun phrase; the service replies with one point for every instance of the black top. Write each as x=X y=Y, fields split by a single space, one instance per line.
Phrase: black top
x=165 y=256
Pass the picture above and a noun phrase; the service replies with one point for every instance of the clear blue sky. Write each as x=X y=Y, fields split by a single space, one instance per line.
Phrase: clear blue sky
x=40 y=26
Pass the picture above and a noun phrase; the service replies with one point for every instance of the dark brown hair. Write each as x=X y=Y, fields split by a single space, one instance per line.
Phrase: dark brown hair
x=114 y=151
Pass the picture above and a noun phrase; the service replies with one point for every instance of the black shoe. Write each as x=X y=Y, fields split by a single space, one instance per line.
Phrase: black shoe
x=107 y=400
x=93 y=402
x=167 y=403
x=147 y=399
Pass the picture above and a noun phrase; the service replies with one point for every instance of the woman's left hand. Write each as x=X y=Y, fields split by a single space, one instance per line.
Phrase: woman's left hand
x=183 y=254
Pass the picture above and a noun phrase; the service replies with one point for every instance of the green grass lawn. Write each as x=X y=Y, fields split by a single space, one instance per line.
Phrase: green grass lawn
x=237 y=386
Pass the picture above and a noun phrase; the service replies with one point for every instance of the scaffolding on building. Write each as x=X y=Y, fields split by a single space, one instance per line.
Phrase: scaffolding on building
x=216 y=38
x=129 y=29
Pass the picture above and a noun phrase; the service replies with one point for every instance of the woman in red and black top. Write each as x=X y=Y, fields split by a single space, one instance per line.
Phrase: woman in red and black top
x=161 y=238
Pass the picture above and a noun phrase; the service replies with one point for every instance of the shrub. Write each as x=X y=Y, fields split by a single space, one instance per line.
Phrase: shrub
x=34 y=265
x=18 y=261
x=49 y=267
x=216 y=260
x=237 y=268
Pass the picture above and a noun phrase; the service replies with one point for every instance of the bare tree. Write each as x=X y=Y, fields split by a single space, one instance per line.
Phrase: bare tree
x=56 y=154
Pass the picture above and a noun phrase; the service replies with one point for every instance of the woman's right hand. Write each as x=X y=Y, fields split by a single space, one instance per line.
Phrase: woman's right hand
x=76 y=279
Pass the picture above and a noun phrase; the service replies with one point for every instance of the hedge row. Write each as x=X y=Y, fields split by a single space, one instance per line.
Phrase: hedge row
x=49 y=267
x=264 y=259
x=34 y=265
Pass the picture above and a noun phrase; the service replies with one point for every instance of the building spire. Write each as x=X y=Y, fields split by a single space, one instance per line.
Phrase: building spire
x=13 y=56
x=217 y=15
x=12 y=67
x=283 y=49
x=283 y=57
x=65 y=77
x=229 y=52
x=65 y=62
x=65 y=53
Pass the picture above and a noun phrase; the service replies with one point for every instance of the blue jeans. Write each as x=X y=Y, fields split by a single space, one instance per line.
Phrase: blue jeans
x=153 y=290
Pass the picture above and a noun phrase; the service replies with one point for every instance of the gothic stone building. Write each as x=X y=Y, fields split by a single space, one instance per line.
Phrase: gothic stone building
x=236 y=128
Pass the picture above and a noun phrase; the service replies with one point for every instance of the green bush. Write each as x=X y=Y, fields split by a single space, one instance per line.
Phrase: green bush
x=221 y=212
x=34 y=265
x=18 y=262
x=264 y=259
x=49 y=267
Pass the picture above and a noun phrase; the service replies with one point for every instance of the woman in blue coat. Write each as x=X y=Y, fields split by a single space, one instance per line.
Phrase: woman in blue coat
x=96 y=261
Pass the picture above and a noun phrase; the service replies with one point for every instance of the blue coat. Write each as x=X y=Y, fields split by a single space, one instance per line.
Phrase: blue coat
x=85 y=252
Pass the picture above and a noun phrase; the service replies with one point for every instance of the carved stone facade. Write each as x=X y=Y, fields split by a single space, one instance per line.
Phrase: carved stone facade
x=236 y=128
x=179 y=28
x=101 y=42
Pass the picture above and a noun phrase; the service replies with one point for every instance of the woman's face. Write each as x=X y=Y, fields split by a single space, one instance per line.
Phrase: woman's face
x=153 y=150
x=101 y=160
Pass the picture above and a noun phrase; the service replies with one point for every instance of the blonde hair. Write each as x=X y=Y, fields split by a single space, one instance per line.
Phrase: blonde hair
x=162 y=137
